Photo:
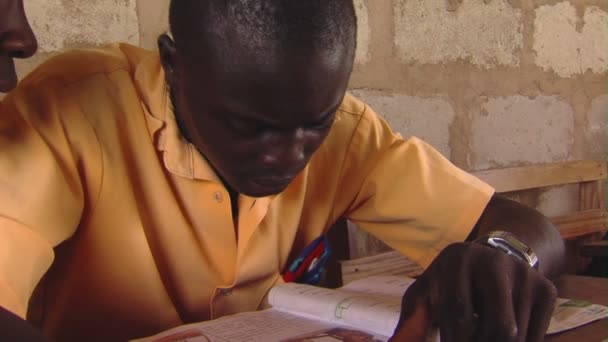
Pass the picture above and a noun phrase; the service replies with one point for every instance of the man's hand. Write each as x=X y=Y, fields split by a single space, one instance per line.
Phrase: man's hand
x=476 y=293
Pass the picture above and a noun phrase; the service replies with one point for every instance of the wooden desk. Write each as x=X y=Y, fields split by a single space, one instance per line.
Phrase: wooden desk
x=594 y=290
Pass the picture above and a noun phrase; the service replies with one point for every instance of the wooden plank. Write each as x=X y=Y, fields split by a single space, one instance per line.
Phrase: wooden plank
x=576 y=225
x=581 y=223
x=594 y=249
x=582 y=262
x=389 y=263
x=338 y=240
x=363 y=244
x=591 y=195
x=536 y=176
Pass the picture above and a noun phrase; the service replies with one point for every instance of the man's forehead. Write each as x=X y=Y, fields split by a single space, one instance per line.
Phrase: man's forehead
x=276 y=104
x=270 y=40
x=274 y=93
x=275 y=70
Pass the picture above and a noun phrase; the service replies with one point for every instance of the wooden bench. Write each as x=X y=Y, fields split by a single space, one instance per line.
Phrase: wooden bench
x=590 y=175
x=361 y=255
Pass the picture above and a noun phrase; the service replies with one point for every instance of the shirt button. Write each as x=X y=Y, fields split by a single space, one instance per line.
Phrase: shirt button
x=218 y=197
x=225 y=292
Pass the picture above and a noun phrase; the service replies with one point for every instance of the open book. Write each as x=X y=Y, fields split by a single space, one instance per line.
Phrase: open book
x=364 y=310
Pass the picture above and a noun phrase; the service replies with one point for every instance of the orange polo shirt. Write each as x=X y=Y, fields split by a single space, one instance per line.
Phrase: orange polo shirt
x=131 y=228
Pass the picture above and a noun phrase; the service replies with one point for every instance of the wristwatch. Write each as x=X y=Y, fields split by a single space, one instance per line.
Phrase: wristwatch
x=509 y=244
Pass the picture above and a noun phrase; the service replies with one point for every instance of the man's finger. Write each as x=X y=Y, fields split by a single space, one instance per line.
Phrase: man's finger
x=523 y=298
x=457 y=317
x=415 y=320
x=544 y=303
x=495 y=308
x=416 y=326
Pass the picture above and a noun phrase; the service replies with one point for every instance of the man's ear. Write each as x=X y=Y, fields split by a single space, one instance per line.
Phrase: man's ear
x=168 y=59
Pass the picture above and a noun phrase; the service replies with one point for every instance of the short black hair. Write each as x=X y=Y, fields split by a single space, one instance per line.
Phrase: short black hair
x=263 y=27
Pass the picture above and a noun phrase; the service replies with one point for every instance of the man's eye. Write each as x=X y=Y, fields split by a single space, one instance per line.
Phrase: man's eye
x=245 y=127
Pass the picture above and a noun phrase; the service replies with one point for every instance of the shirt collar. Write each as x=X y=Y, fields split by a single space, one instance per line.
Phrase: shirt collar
x=180 y=157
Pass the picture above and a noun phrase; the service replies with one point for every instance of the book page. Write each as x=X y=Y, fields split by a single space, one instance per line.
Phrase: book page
x=569 y=314
x=268 y=325
x=368 y=309
x=387 y=285
x=375 y=312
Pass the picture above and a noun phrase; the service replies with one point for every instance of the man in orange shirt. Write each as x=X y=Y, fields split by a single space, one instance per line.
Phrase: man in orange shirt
x=155 y=189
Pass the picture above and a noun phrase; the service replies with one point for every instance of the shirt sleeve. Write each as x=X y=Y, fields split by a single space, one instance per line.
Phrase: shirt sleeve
x=41 y=197
x=409 y=195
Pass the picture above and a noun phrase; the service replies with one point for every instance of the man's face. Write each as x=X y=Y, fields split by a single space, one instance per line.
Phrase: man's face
x=258 y=124
x=16 y=41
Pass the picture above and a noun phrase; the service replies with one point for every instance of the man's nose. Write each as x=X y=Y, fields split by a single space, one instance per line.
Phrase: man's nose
x=16 y=36
x=288 y=154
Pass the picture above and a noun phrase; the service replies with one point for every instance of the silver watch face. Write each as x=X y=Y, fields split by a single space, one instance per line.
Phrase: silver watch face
x=507 y=243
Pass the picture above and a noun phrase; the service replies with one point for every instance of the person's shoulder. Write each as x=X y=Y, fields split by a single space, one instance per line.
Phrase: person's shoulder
x=352 y=106
x=353 y=112
x=348 y=117
x=76 y=65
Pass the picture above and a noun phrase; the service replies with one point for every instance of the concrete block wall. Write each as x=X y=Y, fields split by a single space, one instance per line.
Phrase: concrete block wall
x=492 y=83
x=489 y=83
